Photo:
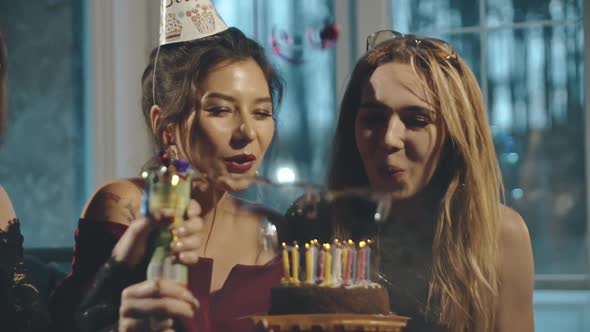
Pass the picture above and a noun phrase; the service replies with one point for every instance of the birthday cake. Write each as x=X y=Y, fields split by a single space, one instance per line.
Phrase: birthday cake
x=334 y=279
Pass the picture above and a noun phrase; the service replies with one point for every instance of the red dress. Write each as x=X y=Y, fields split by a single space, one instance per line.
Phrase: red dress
x=245 y=292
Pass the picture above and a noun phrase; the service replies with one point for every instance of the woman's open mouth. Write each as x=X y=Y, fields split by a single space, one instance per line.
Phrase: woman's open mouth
x=240 y=164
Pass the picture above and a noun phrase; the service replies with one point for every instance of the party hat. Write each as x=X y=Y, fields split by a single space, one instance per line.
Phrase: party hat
x=184 y=20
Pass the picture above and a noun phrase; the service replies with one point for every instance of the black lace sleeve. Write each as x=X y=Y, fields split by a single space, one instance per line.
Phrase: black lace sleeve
x=99 y=310
x=22 y=308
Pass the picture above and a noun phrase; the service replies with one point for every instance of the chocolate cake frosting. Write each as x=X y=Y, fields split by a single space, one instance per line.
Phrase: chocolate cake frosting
x=286 y=300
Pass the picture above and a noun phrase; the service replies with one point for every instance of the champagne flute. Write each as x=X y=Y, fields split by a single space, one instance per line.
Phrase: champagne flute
x=165 y=200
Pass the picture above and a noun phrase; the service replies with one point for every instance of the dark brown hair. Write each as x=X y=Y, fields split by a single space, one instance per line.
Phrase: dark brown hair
x=182 y=67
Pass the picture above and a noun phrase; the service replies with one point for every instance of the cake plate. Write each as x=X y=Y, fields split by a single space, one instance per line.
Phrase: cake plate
x=333 y=322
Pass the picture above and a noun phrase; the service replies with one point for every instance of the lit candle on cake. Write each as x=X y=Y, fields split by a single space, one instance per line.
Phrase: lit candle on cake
x=345 y=265
x=286 y=270
x=352 y=258
x=328 y=267
x=337 y=264
x=321 y=265
x=368 y=261
x=361 y=262
x=314 y=260
x=308 y=264
x=295 y=255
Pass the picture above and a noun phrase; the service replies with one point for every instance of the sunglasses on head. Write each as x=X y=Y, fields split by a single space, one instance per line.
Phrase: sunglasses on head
x=381 y=36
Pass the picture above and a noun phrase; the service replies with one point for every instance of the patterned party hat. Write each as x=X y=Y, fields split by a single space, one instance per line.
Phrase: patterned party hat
x=184 y=20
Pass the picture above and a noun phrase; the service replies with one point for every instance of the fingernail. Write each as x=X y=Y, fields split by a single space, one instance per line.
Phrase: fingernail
x=181 y=230
x=177 y=245
x=191 y=298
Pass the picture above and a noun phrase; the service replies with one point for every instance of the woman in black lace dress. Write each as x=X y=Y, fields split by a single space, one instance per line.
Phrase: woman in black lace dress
x=21 y=307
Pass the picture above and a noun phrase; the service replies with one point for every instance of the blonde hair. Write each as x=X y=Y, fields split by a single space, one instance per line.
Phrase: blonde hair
x=465 y=280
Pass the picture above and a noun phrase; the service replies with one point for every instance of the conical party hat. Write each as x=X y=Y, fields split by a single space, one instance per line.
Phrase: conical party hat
x=184 y=20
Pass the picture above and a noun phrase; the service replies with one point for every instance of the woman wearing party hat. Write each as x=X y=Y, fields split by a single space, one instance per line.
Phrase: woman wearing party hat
x=210 y=97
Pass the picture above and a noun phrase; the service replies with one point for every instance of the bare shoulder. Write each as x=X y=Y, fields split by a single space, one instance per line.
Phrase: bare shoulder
x=516 y=258
x=513 y=229
x=117 y=201
x=516 y=272
x=6 y=210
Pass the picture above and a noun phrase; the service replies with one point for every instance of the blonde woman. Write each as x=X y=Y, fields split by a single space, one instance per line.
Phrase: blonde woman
x=413 y=123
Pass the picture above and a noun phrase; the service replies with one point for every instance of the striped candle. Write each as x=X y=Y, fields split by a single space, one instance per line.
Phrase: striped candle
x=345 y=265
x=353 y=257
x=308 y=264
x=314 y=260
x=286 y=270
x=328 y=266
x=368 y=261
x=321 y=265
x=337 y=265
x=361 y=262
x=295 y=269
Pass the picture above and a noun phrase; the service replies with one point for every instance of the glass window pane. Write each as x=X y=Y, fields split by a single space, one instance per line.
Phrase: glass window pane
x=500 y=12
x=535 y=92
x=42 y=158
x=468 y=45
x=433 y=15
x=308 y=114
x=239 y=14
x=289 y=30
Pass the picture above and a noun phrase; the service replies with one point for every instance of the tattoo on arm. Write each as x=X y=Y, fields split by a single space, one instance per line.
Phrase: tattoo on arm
x=131 y=211
x=109 y=196
x=115 y=207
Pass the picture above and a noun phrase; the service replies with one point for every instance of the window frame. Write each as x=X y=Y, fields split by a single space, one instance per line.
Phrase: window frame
x=358 y=21
x=120 y=35
x=114 y=92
